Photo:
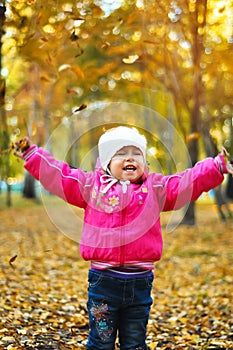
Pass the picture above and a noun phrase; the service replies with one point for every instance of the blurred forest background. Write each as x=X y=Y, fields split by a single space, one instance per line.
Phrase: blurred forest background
x=69 y=70
x=62 y=61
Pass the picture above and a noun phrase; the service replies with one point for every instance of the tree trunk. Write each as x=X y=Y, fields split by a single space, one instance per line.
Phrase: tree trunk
x=189 y=217
x=195 y=124
x=220 y=197
x=229 y=187
x=29 y=186
x=8 y=195
x=3 y=122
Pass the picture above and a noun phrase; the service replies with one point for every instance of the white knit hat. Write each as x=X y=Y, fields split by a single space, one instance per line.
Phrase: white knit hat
x=116 y=138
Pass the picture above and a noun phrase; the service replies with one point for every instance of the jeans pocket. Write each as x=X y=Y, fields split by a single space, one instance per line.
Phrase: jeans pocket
x=149 y=281
x=144 y=283
x=94 y=279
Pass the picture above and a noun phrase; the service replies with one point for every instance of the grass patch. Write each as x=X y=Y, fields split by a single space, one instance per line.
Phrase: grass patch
x=18 y=201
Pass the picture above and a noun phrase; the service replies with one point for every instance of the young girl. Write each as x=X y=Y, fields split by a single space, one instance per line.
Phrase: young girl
x=121 y=233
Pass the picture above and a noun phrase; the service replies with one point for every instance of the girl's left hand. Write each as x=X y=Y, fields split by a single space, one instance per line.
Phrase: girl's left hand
x=228 y=160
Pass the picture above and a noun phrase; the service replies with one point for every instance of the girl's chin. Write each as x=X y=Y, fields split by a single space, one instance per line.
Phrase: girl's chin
x=131 y=178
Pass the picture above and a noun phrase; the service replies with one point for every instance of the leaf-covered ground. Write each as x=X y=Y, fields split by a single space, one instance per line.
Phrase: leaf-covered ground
x=43 y=285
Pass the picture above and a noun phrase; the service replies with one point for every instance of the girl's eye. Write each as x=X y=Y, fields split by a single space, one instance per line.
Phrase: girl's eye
x=137 y=154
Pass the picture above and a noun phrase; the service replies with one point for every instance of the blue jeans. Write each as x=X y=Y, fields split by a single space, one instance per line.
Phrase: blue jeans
x=118 y=306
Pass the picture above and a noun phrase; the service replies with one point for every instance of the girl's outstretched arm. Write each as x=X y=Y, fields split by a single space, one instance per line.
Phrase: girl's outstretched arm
x=55 y=175
x=187 y=186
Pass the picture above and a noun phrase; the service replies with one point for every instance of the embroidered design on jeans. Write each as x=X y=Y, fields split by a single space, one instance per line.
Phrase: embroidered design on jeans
x=99 y=312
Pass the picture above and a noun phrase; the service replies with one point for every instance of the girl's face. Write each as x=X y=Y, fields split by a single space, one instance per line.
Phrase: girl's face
x=128 y=164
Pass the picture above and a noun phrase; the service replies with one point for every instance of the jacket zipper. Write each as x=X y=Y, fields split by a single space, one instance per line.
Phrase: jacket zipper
x=123 y=221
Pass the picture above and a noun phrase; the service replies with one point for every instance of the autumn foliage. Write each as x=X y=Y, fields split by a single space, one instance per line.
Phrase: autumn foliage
x=44 y=285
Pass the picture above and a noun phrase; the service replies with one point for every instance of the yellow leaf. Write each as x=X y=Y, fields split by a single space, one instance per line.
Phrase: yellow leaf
x=105 y=45
x=45 y=79
x=183 y=319
x=12 y=260
x=153 y=345
x=44 y=315
x=130 y=59
x=8 y=338
x=71 y=91
x=64 y=67
x=108 y=67
x=193 y=136
x=22 y=331
x=78 y=71
x=131 y=18
x=34 y=128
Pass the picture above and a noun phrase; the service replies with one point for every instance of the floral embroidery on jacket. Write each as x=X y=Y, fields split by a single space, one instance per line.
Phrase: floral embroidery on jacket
x=114 y=200
x=108 y=202
x=142 y=194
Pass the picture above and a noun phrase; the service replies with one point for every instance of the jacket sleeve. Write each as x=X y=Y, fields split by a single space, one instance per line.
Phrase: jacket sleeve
x=187 y=186
x=56 y=176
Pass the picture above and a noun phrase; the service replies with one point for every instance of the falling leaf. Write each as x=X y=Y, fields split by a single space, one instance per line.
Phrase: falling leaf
x=74 y=37
x=50 y=58
x=78 y=71
x=221 y=10
x=45 y=79
x=193 y=136
x=153 y=42
x=34 y=128
x=130 y=59
x=12 y=260
x=80 y=108
x=64 y=67
x=44 y=39
x=72 y=91
x=131 y=18
x=105 y=45
x=97 y=12
x=81 y=51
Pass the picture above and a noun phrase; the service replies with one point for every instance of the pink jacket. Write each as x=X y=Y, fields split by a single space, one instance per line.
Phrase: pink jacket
x=122 y=220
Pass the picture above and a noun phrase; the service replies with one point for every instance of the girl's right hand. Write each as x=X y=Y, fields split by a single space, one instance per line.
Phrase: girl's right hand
x=21 y=146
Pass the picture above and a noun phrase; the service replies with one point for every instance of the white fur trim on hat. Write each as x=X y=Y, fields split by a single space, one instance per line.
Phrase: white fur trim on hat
x=116 y=138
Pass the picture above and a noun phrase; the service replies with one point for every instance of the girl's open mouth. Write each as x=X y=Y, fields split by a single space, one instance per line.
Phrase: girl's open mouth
x=129 y=168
